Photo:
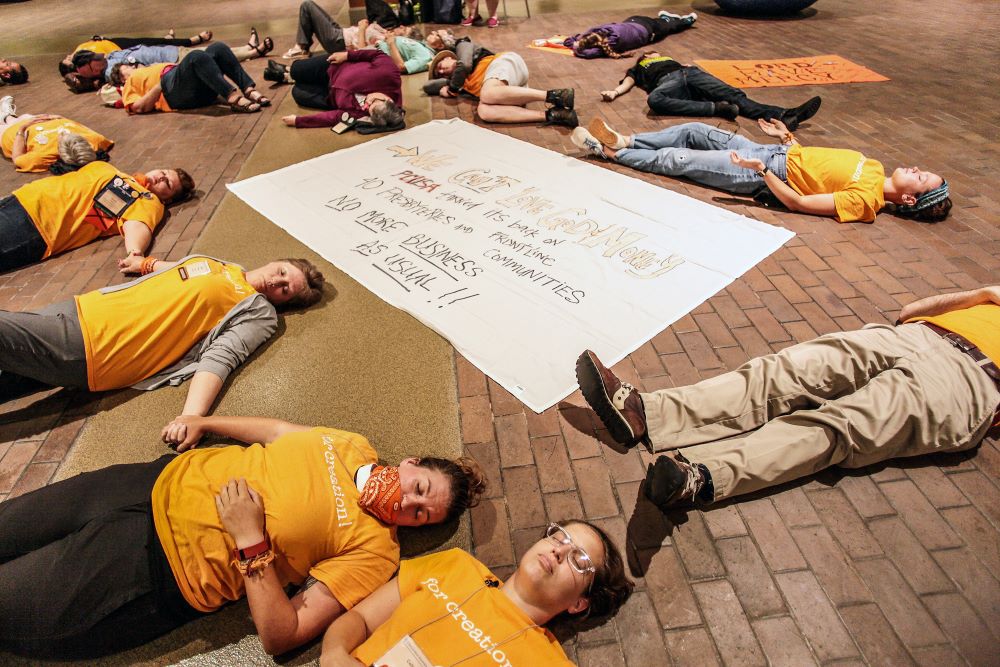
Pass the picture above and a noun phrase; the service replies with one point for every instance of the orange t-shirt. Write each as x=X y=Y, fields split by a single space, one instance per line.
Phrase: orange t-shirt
x=104 y=46
x=306 y=481
x=857 y=183
x=62 y=207
x=980 y=325
x=136 y=331
x=141 y=82
x=474 y=82
x=43 y=142
x=473 y=620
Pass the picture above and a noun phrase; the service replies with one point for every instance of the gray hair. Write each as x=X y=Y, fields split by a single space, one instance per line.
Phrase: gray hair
x=448 y=37
x=75 y=150
x=386 y=115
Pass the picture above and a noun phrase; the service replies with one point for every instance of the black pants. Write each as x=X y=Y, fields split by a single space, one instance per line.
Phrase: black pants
x=312 y=82
x=129 y=42
x=659 y=28
x=691 y=91
x=82 y=572
x=20 y=242
x=200 y=78
x=379 y=11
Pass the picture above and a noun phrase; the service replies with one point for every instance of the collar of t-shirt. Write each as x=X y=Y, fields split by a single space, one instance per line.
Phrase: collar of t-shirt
x=362 y=475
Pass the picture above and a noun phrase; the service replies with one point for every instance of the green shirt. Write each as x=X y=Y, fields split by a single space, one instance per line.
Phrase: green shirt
x=417 y=56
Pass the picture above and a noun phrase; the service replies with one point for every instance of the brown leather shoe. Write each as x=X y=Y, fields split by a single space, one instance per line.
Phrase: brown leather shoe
x=675 y=483
x=617 y=403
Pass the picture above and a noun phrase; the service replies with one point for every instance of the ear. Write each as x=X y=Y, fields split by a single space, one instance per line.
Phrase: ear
x=412 y=460
x=580 y=605
x=909 y=199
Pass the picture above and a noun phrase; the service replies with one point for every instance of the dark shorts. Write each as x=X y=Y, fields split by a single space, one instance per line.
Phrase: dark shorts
x=20 y=242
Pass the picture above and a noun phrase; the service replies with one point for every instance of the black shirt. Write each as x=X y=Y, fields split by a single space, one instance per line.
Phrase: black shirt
x=648 y=73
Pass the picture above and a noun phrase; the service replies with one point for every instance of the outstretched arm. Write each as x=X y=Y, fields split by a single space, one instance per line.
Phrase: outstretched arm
x=945 y=303
x=352 y=628
x=627 y=84
x=186 y=431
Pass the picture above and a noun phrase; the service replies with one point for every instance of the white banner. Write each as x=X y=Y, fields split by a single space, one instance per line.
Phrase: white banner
x=520 y=256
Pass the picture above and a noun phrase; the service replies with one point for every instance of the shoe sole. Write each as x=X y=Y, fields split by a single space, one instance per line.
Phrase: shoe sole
x=589 y=378
x=605 y=134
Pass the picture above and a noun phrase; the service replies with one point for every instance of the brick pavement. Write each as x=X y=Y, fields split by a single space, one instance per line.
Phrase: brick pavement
x=898 y=564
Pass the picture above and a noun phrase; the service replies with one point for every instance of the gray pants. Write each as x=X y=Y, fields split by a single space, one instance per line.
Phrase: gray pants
x=314 y=21
x=845 y=399
x=46 y=346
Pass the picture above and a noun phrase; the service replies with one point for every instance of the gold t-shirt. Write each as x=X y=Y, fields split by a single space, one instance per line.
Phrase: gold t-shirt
x=856 y=182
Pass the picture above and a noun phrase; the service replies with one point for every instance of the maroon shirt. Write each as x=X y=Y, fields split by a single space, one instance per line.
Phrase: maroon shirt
x=366 y=71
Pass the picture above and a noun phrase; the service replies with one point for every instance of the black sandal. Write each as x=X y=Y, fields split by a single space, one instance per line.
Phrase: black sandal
x=244 y=105
x=265 y=47
x=254 y=40
x=201 y=38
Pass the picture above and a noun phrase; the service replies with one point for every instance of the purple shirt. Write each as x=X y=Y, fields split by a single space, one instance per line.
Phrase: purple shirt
x=366 y=71
x=621 y=36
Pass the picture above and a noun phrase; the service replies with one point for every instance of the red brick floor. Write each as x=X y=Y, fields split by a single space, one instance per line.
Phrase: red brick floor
x=894 y=565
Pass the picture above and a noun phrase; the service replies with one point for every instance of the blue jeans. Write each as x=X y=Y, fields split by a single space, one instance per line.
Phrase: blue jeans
x=691 y=91
x=701 y=152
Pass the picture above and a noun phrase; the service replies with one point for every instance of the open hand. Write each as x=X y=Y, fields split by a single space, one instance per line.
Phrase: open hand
x=242 y=512
x=755 y=165
x=773 y=127
x=184 y=432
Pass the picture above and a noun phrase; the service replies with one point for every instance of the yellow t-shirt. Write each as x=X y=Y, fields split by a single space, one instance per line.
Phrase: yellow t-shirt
x=104 y=46
x=43 y=142
x=474 y=620
x=142 y=81
x=306 y=481
x=474 y=82
x=62 y=207
x=856 y=182
x=132 y=333
x=980 y=325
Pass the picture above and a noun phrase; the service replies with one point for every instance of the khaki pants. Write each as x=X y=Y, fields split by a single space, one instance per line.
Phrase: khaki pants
x=849 y=399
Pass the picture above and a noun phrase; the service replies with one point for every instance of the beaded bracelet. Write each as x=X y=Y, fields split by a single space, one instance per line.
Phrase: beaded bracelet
x=254 y=566
x=147 y=265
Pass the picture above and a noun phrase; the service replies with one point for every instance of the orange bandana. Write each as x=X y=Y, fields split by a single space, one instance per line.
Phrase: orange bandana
x=141 y=179
x=382 y=495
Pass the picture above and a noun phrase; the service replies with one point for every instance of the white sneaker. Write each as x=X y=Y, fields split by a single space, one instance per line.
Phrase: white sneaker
x=664 y=14
x=690 y=18
x=582 y=138
x=606 y=135
x=7 y=107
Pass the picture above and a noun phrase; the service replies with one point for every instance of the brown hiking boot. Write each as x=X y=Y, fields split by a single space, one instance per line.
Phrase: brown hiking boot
x=676 y=482
x=617 y=403
x=557 y=116
x=561 y=98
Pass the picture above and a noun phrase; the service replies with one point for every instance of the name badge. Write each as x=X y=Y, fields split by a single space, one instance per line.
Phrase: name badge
x=405 y=653
x=116 y=197
x=194 y=270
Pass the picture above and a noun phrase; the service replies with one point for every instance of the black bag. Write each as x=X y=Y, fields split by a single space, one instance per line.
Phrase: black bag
x=442 y=11
x=405 y=12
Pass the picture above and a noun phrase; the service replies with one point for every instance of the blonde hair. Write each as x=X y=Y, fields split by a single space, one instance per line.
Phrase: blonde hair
x=75 y=151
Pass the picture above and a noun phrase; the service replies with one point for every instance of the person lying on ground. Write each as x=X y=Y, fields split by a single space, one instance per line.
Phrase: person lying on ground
x=90 y=70
x=451 y=609
x=363 y=84
x=686 y=90
x=197 y=318
x=54 y=214
x=930 y=384
x=199 y=80
x=615 y=40
x=835 y=182
x=316 y=24
x=12 y=73
x=500 y=82
x=36 y=142
x=112 y=559
x=108 y=45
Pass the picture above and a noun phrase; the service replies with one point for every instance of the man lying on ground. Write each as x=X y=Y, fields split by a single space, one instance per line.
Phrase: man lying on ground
x=12 y=73
x=315 y=23
x=451 y=609
x=198 y=318
x=834 y=182
x=501 y=84
x=849 y=399
x=54 y=214
x=36 y=142
x=112 y=559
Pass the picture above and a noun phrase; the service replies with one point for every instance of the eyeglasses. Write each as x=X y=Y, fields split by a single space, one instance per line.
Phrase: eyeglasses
x=578 y=558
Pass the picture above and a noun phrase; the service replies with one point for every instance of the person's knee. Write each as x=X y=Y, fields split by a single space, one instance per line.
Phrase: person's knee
x=674 y=161
x=198 y=57
x=489 y=112
x=492 y=91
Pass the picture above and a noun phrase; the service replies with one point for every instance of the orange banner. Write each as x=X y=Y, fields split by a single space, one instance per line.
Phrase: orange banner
x=804 y=71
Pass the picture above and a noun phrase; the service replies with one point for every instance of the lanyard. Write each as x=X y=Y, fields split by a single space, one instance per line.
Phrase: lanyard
x=476 y=654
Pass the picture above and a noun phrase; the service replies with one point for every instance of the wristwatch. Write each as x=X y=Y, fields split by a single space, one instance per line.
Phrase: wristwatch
x=763 y=172
x=253 y=551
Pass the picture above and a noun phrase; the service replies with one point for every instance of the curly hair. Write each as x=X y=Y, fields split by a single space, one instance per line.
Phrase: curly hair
x=468 y=482
x=610 y=588
x=592 y=39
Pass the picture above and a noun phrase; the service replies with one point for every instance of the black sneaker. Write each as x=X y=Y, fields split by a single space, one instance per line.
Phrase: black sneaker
x=676 y=483
x=275 y=72
x=801 y=113
x=727 y=110
x=561 y=98
x=557 y=116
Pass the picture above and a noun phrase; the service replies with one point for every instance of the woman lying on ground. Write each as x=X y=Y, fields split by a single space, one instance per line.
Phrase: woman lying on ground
x=449 y=609
x=197 y=81
x=316 y=23
x=111 y=559
x=106 y=45
x=40 y=141
x=615 y=40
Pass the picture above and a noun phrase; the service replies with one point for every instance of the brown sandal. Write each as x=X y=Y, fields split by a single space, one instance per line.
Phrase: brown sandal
x=244 y=105
x=254 y=96
x=201 y=38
